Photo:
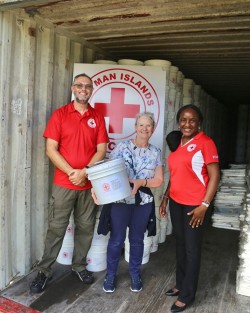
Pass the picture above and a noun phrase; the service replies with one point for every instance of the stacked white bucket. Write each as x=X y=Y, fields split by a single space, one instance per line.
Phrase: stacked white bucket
x=188 y=91
x=97 y=255
x=104 y=62
x=66 y=252
x=173 y=96
x=147 y=247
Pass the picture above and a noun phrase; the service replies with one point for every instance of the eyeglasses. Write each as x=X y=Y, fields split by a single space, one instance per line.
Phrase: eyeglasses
x=80 y=86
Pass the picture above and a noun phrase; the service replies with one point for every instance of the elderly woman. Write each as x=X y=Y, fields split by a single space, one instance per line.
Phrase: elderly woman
x=194 y=177
x=144 y=168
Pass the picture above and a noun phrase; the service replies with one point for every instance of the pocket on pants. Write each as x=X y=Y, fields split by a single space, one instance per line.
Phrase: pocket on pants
x=51 y=208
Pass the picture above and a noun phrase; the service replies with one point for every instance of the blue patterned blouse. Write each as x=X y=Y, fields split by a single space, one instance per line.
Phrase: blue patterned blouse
x=140 y=163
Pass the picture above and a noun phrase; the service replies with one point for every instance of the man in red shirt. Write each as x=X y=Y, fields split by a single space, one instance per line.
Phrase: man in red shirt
x=76 y=138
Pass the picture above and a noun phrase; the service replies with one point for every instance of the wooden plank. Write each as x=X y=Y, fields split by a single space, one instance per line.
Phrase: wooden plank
x=216 y=290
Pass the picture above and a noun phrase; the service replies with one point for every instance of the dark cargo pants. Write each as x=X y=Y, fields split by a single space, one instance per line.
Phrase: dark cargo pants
x=62 y=202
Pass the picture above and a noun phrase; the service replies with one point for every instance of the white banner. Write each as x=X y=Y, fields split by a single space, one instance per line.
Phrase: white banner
x=120 y=92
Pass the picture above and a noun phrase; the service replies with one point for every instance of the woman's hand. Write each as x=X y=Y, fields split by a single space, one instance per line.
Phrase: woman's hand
x=94 y=196
x=163 y=207
x=137 y=184
x=198 y=215
x=200 y=211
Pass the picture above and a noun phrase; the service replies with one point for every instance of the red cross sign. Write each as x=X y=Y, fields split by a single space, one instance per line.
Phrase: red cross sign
x=121 y=92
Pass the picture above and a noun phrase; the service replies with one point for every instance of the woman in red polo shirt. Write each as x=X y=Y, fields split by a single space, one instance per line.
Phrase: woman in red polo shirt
x=194 y=177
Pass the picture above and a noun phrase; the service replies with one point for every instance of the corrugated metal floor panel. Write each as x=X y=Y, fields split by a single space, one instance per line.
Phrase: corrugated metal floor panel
x=216 y=292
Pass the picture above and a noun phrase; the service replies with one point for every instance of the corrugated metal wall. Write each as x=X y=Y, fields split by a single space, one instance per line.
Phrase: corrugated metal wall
x=36 y=72
x=36 y=65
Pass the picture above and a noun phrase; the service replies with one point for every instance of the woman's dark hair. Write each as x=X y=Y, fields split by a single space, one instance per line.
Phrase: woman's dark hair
x=192 y=107
x=173 y=139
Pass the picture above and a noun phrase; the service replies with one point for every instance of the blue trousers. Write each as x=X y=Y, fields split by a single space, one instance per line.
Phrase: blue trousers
x=188 y=250
x=135 y=217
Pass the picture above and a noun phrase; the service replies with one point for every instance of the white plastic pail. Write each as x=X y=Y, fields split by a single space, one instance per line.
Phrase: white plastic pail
x=104 y=62
x=97 y=254
x=158 y=62
x=188 y=87
x=173 y=76
x=110 y=181
x=187 y=100
x=130 y=62
x=65 y=254
x=171 y=99
x=66 y=251
x=155 y=239
x=147 y=248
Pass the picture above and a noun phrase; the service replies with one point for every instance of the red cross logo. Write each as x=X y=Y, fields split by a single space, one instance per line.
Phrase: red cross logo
x=106 y=187
x=69 y=229
x=117 y=110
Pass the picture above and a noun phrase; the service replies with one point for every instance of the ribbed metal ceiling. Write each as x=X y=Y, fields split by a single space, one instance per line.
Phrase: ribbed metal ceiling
x=208 y=40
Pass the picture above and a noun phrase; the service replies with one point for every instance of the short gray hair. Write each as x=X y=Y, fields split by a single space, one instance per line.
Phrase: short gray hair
x=148 y=114
x=83 y=75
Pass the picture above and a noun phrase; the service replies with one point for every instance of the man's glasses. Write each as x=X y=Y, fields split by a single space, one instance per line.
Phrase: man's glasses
x=80 y=86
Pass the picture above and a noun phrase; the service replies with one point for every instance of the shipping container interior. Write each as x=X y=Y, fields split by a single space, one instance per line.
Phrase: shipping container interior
x=40 y=41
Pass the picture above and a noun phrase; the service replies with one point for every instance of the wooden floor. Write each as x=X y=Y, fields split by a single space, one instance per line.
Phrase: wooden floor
x=216 y=292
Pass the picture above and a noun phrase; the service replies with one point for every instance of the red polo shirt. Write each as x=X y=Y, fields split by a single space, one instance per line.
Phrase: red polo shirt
x=78 y=136
x=188 y=172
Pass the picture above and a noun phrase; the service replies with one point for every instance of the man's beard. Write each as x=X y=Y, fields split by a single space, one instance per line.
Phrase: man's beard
x=82 y=101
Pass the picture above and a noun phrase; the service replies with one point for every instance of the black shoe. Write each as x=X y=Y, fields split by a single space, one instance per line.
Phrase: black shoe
x=172 y=293
x=39 y=283
x=175 y=308
x=85 y=276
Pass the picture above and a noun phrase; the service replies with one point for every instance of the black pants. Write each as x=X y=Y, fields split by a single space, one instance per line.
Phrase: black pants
x=188 y=250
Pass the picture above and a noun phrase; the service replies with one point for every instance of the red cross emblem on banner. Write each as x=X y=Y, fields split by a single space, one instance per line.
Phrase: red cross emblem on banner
x=117 y=110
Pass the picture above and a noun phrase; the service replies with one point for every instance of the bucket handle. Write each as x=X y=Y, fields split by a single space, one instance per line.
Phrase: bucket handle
x=99 y=162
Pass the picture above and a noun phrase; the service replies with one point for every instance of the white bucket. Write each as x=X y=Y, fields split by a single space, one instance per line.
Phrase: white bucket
x=66 y=251
x=155 y=239
x=169 y=225
x=163 y=230
x=179 y=81
x=164 y=64
x=177 y=103
x=110 y=181
x=130 y=62
x=171 y=99
x=104 y=62
x=158 y=62
x=187 y=100
x=173 y=76
x=97 y=254
x=65 y=255
x=147 y=248
x=188 y=87
x=197 y=92
x=170 y=121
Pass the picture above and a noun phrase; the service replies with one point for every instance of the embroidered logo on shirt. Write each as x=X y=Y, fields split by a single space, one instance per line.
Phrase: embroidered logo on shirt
x=191 y=147
x=91 y=123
